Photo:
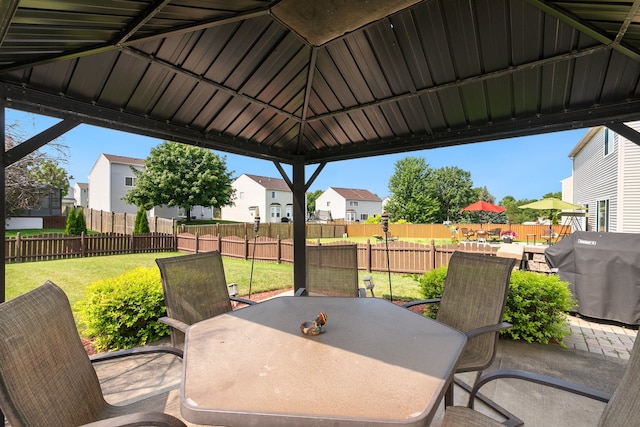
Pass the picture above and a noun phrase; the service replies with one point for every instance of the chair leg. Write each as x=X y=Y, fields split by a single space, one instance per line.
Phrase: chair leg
x=511 y=419
x=448 y=395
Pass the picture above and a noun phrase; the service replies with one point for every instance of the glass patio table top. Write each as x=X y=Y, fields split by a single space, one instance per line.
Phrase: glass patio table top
x=374 y=363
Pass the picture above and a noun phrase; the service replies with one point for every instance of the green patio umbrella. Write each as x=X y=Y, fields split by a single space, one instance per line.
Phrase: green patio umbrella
x=552 y=204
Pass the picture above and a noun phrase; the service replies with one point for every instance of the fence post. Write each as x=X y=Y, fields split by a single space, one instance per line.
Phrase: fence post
x=433 y=255
x=197 y=242
x=368 y=256
x=18 y=247
x=83 y=248
x=278 y=249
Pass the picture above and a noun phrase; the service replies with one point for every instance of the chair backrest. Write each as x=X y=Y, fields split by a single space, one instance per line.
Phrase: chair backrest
x=332 y=270
x=624 y=405
x=195 y=289
x=46 y=377
x=475 y=295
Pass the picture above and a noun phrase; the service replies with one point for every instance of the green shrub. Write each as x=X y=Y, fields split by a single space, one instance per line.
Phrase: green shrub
x=70 y=225
x=121 y=312
x=141 y=224
x=536 y=304
x=81 y=224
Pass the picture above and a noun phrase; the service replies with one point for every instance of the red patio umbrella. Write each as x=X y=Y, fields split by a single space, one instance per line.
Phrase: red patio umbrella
x=483 y=206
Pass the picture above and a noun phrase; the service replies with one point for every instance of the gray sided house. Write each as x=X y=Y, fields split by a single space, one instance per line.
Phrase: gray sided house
x=606 y=179
x=350 y=204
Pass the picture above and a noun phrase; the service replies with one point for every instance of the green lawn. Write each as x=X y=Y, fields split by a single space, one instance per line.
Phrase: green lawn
x=73 y=275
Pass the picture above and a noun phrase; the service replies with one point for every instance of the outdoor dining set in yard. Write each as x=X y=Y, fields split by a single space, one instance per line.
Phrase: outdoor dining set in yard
x=328 y=355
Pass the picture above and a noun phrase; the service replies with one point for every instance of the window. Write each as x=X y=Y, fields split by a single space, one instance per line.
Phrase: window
x=603 y=215
x=328 y=203
x=129 y=181
x=609 y=138
x=352 y=203
x=351 y=215
x=273 y=194
x=288 y=211
x=275 y=212
x=241 y=195
x=364 y=217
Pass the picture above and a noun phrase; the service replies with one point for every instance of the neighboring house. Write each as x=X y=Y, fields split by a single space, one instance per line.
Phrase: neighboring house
x=272 y=196
x=111 y=178
x=606 y=180
x=81 y=194
x=349 y=204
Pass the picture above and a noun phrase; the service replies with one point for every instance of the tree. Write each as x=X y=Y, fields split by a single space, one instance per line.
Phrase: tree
x=452 y=188
x=26 y=181
x=50 y=173
x=410 y=198
x=311 y=201
x=81 y=224
x=70 y=226
x=141 y=224
x=184 y=176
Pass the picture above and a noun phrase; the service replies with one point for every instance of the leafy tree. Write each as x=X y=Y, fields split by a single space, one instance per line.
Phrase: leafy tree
x=410 y=198
x=141 y=224
x=25 y=180
x=482 y=217
x=311 y=201
x=50 y=173
x=452 y=188
x=184 y=176
x=514 y=214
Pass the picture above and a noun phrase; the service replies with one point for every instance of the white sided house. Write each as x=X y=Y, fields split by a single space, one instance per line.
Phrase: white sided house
x=349 y=204
x=81 y=194
x=111 y=178
x=272 y=196
x=606 y=180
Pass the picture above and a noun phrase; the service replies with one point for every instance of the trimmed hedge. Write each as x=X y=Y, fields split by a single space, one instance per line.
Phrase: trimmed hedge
x=122 y=312
x=537 y=304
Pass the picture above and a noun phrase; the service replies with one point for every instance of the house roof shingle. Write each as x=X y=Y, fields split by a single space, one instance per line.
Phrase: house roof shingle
x=357 y=194
x=124 y=160
x=270 y=183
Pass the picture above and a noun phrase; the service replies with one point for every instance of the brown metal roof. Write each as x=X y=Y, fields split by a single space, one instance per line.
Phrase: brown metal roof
x=123 y=160
x=285 y=80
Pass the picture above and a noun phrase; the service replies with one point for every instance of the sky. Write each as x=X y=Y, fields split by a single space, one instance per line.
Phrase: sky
x=525 y=168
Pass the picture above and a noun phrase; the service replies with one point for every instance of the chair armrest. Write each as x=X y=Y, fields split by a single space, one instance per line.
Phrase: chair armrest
x=487 y=329
x=545 y=380
x=300 y=292
x=422 y=301
x=135 y=352
x=174 y=323
x=140 y=419
x=243 y=300
x=362 y=292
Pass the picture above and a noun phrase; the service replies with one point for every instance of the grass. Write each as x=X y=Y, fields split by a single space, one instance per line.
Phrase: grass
x=73 y=275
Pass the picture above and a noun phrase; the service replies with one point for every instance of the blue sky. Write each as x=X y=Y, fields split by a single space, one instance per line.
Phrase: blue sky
x=525 y=168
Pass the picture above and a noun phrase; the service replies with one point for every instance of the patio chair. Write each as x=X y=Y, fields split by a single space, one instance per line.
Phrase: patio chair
x=494 y=234
x=548 y=235
x=468 y=234
x=332 y=270
x=194 y=289
x=622 y=407
x=46 y=377
x=473 y=301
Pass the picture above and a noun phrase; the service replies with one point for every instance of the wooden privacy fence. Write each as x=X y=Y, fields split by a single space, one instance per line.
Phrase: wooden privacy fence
x=61 y=246
x=404 y=257
x=269 y=229
x=111 y=222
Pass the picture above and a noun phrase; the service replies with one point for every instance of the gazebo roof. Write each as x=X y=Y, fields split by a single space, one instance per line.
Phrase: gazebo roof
x=318 y=81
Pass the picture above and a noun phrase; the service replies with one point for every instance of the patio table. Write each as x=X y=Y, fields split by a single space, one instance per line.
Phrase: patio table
x=375 y=363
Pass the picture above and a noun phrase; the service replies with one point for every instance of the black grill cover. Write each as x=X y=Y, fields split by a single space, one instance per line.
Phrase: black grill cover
x=603 y=271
